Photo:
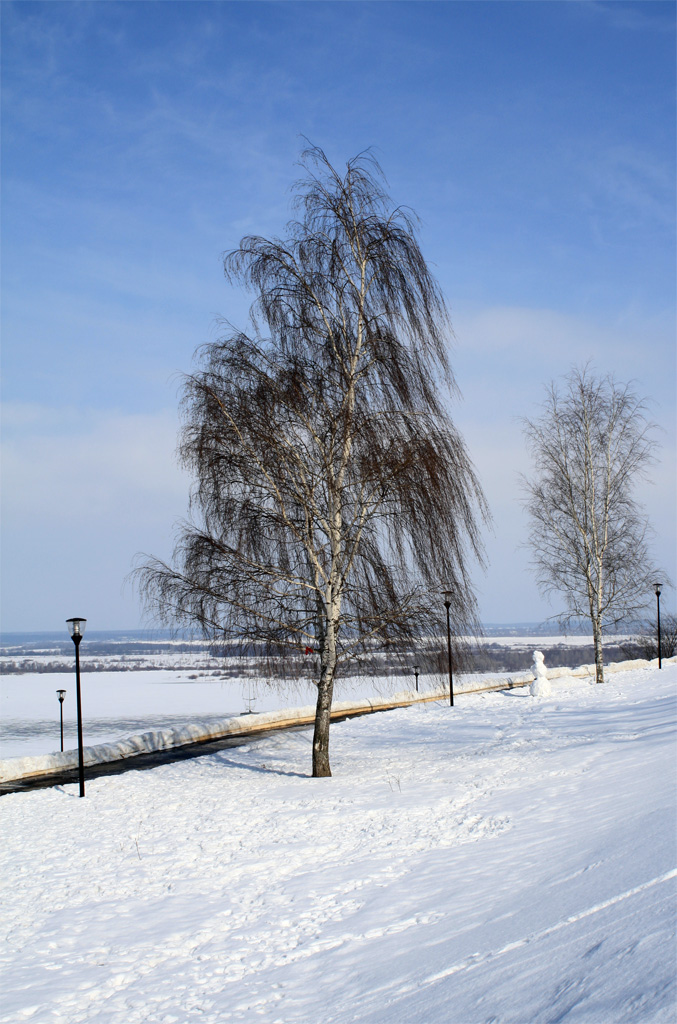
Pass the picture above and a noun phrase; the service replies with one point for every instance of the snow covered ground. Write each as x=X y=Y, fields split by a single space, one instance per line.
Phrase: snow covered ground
x=508 y=860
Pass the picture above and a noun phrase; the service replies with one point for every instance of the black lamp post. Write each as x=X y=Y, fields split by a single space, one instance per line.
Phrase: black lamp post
x=416 y=676
x=61 y=694
x=447 y=605
x=657 y=591
x=76 y=628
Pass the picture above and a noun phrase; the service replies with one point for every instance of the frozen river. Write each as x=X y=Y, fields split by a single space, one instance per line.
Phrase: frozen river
x=120 y=704
x=137 y=683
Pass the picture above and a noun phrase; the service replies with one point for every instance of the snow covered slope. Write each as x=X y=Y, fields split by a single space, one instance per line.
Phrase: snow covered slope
x=508 y=860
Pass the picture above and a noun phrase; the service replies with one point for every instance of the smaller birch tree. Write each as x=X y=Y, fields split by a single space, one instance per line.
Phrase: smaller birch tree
x=590 y=447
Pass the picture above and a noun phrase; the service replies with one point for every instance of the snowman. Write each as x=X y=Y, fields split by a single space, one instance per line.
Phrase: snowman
x=541 y=684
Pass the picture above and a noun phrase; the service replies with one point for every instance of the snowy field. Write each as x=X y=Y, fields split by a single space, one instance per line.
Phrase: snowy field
x=508 y=860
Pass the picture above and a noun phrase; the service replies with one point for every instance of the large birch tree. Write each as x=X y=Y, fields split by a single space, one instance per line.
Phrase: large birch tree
x=333 y=495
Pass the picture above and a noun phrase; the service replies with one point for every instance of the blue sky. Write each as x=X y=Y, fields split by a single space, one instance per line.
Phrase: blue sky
x=140 y=140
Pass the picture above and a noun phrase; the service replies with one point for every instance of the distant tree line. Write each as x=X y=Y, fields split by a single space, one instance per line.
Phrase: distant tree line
x=239 y=663
x=645 y=643
x=25 y=665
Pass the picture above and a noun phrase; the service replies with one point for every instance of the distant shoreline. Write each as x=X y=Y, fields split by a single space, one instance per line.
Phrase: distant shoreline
x=490 y=629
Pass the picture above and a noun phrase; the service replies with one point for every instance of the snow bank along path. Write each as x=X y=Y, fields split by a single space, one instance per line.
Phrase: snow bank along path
x=510 y=860
x=12 y=768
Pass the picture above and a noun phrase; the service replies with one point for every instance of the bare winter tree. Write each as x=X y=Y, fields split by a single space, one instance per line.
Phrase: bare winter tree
x=333 y=494
x=590 y=446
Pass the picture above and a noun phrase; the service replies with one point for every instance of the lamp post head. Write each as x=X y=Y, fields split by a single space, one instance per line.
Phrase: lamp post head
x=76 y=627
x=447 y=594
x=60 y=694
x=416 y=669
x=657 y=587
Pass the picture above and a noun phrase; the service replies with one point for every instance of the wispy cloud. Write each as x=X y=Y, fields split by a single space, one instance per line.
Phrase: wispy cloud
x=548 y=340
x=630 y=186
x=637 y=16
x=83 y=492
x=111 y=467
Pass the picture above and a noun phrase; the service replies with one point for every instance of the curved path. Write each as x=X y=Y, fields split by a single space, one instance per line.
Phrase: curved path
x=138 y=763
x=142 y=762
